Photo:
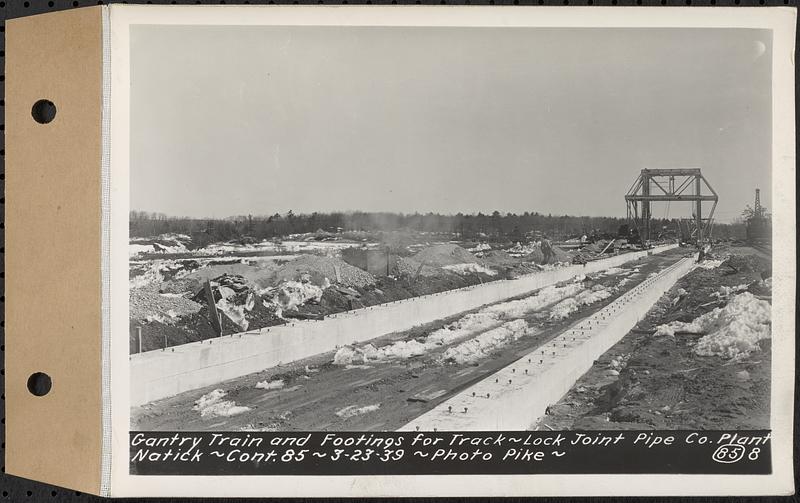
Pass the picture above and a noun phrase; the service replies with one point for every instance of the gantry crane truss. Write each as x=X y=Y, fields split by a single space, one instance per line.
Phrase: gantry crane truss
x=682 y=185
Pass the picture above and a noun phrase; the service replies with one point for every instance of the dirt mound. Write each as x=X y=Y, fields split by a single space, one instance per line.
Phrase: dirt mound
x=746 y=263
x=595 y=247
x=561 y=255
x=498 y=257
x=537 y=255
x=412 y=268
x=147 y=304
x=318 y=269
x=444 y=254
x=188 y=328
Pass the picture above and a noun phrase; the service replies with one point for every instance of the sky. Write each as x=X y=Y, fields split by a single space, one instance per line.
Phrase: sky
x=236 y=120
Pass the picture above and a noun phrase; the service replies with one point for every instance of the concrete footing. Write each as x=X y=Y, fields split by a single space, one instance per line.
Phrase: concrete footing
x=518 y=395
x=164 y=373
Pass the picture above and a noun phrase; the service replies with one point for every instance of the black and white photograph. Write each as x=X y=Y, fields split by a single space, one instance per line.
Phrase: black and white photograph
x=450 y=228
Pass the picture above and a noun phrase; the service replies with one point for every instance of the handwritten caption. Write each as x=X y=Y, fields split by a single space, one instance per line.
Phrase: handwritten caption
x=438 y=452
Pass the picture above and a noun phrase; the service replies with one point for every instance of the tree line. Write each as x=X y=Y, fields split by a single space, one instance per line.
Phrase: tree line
x=494 y=226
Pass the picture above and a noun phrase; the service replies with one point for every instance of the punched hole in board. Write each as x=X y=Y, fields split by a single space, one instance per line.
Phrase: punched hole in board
x=39 y=384
x=43 y=111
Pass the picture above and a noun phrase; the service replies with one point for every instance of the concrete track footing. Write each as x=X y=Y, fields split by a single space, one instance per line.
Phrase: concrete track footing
x=518 y=395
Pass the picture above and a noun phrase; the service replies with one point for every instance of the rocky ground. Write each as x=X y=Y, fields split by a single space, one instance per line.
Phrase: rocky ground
x=168 y=305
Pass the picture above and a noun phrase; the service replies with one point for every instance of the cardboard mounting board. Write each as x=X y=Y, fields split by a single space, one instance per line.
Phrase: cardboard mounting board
x=53 y=248
x=68 y=262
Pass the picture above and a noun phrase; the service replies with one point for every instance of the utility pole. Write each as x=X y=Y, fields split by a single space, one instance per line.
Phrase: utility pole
x=212 y=308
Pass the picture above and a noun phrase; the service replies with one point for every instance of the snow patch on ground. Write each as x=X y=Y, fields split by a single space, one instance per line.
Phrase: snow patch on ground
x=293 y=294
x=352 y=410
x=212 y=405
x=481 y=346
x=726 y=291
x=732 y=331
x=153 y=274
x=277 y=384
x=546 y=296
x=135 y=249
x=236 y=312
x=469 y=269
x=480 y=247
x=709 y=264
x=568 y=306
x=468 y=326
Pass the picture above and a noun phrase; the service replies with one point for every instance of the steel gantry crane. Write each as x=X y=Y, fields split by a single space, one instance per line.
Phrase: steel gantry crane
x=674 y=184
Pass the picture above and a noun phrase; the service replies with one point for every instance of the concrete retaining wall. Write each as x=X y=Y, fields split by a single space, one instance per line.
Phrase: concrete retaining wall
x=160 y=374
x=515 y=397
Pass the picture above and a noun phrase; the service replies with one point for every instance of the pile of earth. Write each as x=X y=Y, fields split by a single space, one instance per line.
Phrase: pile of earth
x=319 y=269
x=147 y=304
x=172 y=319
x=389 y=289
x=410 y=267
x=182 y=330
x=595 y=247
x=498 y=258
x=444 y=254
x=536 y=255
x=746 y=264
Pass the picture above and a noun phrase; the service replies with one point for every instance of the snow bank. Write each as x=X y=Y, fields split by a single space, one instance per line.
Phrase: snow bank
x=212 y=405
x=293 y=294
x=469 y=269
x=268 y=385
x=615 y=270
x=481 y=346
x=568 y=306
x=167 y=319
x=733 y=331
x=352 y=410
x=726 y=291
x=152 y=274
x=709 y=264
x=480 y=247
x=234 y=311
x=465 y=327
x=351 y=355
x=135 y=249
x=546 y=296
